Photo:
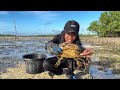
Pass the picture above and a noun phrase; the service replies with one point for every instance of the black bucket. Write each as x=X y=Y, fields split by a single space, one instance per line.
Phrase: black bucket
x=34 y=63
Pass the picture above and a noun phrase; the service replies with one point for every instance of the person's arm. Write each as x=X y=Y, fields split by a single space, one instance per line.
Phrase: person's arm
x=56 y=39
x=52 y=46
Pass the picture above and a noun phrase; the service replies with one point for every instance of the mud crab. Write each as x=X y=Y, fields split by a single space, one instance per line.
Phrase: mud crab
x=70 y=50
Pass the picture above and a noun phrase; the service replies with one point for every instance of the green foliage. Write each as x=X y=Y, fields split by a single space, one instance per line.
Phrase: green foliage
x=44 y=35
x=6 y=35
x=9 y=35
x=107 y=25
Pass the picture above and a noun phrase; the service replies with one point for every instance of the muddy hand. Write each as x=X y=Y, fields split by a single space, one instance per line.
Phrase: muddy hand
x=88 y=52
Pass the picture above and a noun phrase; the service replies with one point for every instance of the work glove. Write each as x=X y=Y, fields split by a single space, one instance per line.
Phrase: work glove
x=53 y=48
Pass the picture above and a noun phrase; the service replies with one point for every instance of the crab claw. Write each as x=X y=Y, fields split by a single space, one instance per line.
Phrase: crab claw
x=57 y=64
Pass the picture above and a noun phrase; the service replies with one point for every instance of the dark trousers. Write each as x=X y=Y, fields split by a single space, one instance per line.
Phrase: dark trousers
x=49 y=63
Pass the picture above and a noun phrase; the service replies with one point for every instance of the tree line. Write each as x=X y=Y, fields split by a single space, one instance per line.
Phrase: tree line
x=108 y=24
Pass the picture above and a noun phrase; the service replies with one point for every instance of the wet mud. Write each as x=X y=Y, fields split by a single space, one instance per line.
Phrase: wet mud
x=12 y=52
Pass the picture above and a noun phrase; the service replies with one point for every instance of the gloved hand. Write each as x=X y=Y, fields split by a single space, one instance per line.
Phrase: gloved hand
x=53 y=48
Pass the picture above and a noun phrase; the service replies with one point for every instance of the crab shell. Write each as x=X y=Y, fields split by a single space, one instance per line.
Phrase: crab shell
x=69 y=50
x=70 y=54
x=65 y=46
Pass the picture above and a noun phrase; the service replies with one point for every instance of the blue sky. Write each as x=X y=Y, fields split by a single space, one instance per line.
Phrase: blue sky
x=44 y=22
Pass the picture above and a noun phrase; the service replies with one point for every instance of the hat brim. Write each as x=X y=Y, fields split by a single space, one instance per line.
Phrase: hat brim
x=68 y=31
x=72 y=32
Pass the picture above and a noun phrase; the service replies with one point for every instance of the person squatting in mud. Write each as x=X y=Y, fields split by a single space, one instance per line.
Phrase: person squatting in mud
x=70 y=34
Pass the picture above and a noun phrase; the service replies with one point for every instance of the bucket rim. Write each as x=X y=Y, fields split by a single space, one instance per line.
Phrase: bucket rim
x=28 y=59
x=34 y=56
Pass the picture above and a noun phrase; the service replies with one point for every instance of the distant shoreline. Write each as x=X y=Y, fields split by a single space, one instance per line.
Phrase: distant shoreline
x=23 y=37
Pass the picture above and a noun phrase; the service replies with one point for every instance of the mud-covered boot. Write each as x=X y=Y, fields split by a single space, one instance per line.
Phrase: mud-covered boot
x=71 y=76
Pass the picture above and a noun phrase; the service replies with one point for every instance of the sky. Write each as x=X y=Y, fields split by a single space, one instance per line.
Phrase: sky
x=44 y=22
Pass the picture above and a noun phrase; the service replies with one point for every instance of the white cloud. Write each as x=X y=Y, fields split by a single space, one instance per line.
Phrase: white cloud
x=3 y=12
x=44 y=15
x=5 y=26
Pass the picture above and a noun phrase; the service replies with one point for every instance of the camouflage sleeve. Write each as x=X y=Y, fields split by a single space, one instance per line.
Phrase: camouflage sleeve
x=49 y=44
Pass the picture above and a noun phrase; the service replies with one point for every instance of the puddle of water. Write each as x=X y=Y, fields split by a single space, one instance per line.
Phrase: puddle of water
x=95 y=73
x=22 y=47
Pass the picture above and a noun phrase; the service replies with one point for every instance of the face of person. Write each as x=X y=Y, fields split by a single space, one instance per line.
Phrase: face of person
x=70 y=37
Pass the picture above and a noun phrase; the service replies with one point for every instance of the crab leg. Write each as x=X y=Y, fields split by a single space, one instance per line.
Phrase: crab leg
x=78 y=62
x=58 y=62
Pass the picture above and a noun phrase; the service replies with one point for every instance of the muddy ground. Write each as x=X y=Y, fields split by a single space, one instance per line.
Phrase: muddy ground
x=105 y=65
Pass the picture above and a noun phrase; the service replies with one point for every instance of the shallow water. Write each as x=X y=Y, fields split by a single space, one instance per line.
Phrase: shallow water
x=12 y=52
x=100 y=72
x=106 y=73
x=20 y=48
